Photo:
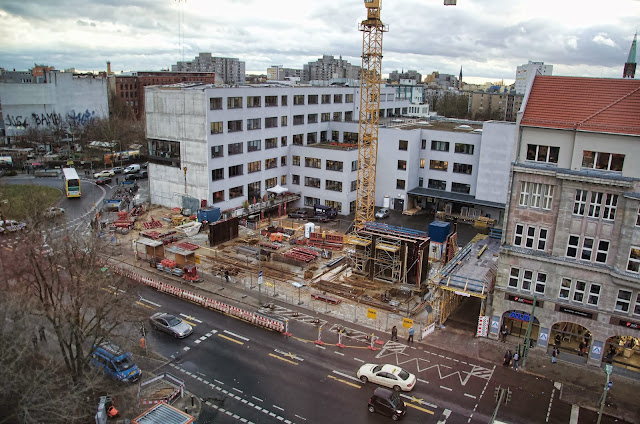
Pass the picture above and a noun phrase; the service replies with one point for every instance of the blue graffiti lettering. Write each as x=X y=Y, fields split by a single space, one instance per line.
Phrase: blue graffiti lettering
x=81 y=118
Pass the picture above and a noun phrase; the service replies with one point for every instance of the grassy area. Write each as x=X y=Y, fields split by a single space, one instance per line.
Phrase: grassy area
x=21 y=201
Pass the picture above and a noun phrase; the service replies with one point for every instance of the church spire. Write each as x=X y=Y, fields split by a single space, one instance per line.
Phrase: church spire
x=460 y=79
x=630 y=65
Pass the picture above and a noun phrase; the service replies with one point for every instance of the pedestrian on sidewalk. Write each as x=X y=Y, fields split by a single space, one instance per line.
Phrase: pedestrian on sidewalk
x=554 y=355
x=504 y=331
x=507 y=358
x=43 y=336
x=410 y=339
x=226 y=276
x=34 y=340
x=581 y=349
x=394 y=333
x=516 y=358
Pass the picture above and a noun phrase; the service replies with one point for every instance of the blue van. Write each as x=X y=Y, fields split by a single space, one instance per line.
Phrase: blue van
x=115 y=362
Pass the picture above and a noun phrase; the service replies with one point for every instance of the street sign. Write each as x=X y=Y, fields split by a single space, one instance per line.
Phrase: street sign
x=372 y=313
x=259 y=277
x=597 y=350
x=407 y=322
x=543 y=336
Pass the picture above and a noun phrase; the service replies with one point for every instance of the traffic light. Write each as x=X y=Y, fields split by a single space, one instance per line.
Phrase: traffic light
x=609 y=384
x=508 y=397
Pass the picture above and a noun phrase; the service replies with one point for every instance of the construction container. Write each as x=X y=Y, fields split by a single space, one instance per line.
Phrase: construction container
x=210 y=214
x=439 y=230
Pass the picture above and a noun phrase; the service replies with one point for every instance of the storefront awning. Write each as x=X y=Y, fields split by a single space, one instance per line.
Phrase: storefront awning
x=455 y=197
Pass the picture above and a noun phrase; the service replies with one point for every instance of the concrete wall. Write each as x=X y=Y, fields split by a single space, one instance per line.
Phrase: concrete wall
x=497 y=152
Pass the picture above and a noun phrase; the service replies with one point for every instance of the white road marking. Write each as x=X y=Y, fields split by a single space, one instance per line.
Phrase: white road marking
x=421 y=402
x=338 y=353
x=237 y=390
x=575 y=412
x=211 y=333
x=219 y=382
x=422 y=381
x=288 y=355
x=347 y=376
x=197 y=341
x=186 y=348
x=203 y=338
x=302 y=418
x=446 y=388
x=258 y=399
x=471 y=396
x=359 y=360
x=237 y=335
x=446 y=414
x=277 y=407
x=321 y=347
x=142 y=299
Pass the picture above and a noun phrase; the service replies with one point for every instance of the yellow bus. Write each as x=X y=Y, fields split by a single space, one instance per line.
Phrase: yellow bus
x=71 y=182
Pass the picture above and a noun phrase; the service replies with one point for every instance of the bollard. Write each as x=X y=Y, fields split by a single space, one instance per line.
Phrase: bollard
x=286 y=328
x=373 y=340
x=192 y=400
x=319 y=341
x=339 y=344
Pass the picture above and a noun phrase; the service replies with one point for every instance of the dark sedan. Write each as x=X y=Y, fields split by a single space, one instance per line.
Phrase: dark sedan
x=170 y=324
x=103 y=180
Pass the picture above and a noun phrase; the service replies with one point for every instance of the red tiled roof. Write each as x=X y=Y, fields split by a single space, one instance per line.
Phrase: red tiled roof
x=584 y=104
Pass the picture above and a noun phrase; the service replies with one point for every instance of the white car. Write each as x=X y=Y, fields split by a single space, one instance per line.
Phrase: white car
x=105 y=173
x=382 y=213
x=53 y=211
x=387 y=375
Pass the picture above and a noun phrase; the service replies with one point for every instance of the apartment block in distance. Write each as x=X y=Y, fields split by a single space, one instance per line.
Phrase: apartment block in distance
x=228 y=70
x=525 y=72
x=571 y=244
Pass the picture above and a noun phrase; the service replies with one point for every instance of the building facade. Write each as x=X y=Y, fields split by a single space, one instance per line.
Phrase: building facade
x=571 y=242
x=396 y=76
x=228 y=70
x=328 y=68
x=501 y=106
x=525 y=72
x=278 y=73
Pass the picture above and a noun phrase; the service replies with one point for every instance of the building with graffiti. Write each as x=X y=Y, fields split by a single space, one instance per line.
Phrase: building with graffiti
x=53 y=99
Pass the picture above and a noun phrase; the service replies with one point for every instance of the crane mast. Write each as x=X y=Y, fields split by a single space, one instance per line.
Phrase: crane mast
x=372 y=29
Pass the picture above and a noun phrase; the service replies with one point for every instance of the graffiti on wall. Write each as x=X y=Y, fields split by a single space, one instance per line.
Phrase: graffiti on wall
x=52 y=119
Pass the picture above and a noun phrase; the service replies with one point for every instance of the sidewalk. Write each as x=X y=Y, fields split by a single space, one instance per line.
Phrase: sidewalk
x=581 y=385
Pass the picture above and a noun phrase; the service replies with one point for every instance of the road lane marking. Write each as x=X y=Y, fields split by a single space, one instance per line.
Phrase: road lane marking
x=288 y=354
x=419 y=408
x=422 y=381
x=338 y=353
x=471 y=396
x=230 y=339
x=257 y=398
x=283 y=359
x=550 y=403
x=277 y=407
x=142 y=299
x=420 y=401
x=236 y=335
x=445 y=414
x=446 y=388
x=145 y=305
x=237 y=390
x=191 y=317
x=321 y=347
x=359 y=360
x=346 y=375
x=302 y=418
x=219 y=382
x=345 y=382
x=186 y=348
x=190 y=323
x=575 y=412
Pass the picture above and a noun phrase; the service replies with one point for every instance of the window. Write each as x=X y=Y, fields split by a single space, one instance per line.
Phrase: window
x=283 y=161
x=514 y=277
x=636 y=308
x=542 y=239
x=271 y=143
x=283 y=101
x=536 y=195
x=348 y=98
x=333 y=165
x=298 y=119
x=638 y=218
x=217 y=174
x=215 y=103
x=283 y=180
x=424 y=144
x=312 y=137
x=348 y=116
x=438 y=165
x=312 y=162
x=354 y=185
x=312 y=99
x=297 y=140
x=295 y=160
x=325 y=117
x=623 y=301
x=400 y=184
x=352 y=206
x=578 y=293
x=298 y=99
x=572 y=246
x=462 y=168
x=271 y=122
x=540 y=153
x=254 y=145
x=440 y=146
x=541 y=282
x=311 y=201
x=602 y=251
x=333 y=204
x=253 y=189
x=326 y=99
x=402 y=165
x=218 y=196
x=236 y=192
x=610 y=204
x=270 y=164
x=270 y=182
x=295 y=179
x=518 y=234
x=531 y=236
x=354 y=165
x=594 y=294
x=350 y=137
x=333 y=185
x=565 y=289
x=633 y=264
x=234 y=102
x=217 y=151
x=547 y=196
x=421 y=163
x=271 y=101
x=403 y=144
x=254 y=124
x=524 y=193
x=337 y=98
x=235 y=170
x=580 y=202
x=312 y=118
x=312 y=182
x=233 y=126
x=603 y=161
x=234 y=149
x=460 y=188
x=437 y=184
x=283 y=141
x=253 y=101
x=527 y=279
x=464 y=148
x=595 y=204
x=337 y=116
x=283 y=121
x=216 y=127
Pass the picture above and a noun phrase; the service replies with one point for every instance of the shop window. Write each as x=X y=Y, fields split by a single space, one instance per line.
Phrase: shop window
x=623 y=301
x=254 y=190
x=633 y=264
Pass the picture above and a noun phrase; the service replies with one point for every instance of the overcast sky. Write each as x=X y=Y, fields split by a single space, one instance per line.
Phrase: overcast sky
x=487 y=38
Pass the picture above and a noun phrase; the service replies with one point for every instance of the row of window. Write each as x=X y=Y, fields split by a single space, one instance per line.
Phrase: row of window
x=236 y=102
x=443 y=165
x=253 y=189
x=272 y=122
x=237 y=170
x=590 y=160
x=312 y=201
x=595 y=204
x=330 y=165
x=440 y=146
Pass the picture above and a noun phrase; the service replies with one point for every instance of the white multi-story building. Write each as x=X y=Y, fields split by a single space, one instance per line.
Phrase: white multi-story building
x=525 y=72
x=328 y=67
x=229 y=145
x=228 y=70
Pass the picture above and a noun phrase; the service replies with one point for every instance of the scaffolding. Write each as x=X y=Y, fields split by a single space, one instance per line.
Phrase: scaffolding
x=358 y=251
x=388 y=261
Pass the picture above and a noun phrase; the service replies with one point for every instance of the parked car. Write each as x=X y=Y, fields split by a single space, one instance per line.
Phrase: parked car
x=115 y=362
x=132 y=169
x=386 y=402
x=103 y=181
x=11 y=226
x=388 y=375
x=131 y=177
x=382 y=213
x=300 y=214
x=143 y=174
x=170 y=325
x=117 y=170
x=105 y=173
x=53 y=212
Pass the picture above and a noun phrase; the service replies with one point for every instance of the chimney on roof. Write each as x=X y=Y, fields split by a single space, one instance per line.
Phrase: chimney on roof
x=108 y=67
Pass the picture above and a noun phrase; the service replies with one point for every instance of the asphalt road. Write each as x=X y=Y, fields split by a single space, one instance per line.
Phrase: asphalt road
x=247 y=373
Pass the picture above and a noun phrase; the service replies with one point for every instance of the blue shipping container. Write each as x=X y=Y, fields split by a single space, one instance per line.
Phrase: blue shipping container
x=210 y=214
x=439 y=230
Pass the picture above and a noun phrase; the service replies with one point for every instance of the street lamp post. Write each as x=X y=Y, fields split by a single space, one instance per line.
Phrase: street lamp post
x=527 y=337
x=607 y=369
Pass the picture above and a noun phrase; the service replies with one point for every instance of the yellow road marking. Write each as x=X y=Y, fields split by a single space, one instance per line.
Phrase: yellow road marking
x=283 y=359
x=144 y=304
x=418 y=408
x=230 y=339
x=190 y=323
x=345 y=382
x=416 y=400
x=115 y=293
